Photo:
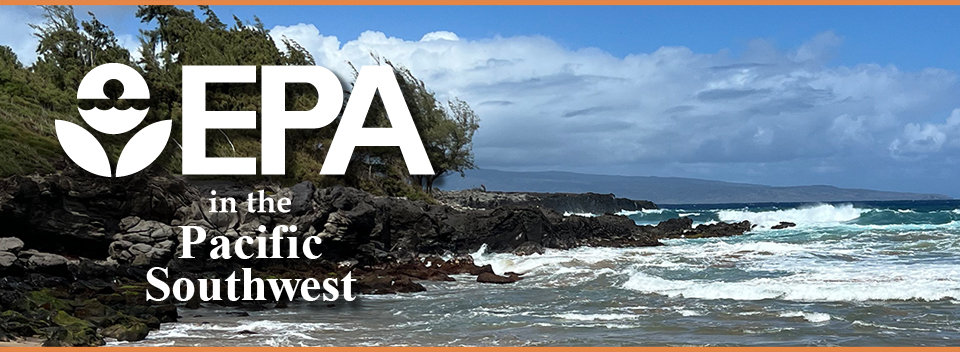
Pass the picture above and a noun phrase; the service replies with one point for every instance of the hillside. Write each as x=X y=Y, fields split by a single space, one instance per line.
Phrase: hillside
x=666 y=190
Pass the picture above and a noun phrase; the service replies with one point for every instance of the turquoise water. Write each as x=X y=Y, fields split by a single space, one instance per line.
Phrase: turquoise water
x=849 y=274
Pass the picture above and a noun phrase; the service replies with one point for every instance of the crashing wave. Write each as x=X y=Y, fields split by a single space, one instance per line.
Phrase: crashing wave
x=817 y=214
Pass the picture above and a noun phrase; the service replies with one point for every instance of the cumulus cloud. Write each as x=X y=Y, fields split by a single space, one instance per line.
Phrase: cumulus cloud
x=919 y=141
x=545 y=106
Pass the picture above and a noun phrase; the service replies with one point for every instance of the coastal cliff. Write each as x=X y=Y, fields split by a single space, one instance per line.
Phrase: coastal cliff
x=75 y=250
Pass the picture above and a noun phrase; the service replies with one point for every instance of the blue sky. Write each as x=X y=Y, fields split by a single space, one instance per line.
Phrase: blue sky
x=911 y=37
x=850 y=96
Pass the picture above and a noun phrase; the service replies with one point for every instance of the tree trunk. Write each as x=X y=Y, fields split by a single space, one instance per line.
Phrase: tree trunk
x=431 y=178
x=418 y=180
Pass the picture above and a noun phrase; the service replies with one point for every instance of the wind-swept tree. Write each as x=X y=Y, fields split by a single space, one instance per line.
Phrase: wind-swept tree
x=451 y=142
x=68 y=49
x=181 y=38
x=446 y=132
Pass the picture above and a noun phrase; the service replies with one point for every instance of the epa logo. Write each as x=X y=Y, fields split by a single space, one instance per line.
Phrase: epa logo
x=87 y=152
x=147 y=144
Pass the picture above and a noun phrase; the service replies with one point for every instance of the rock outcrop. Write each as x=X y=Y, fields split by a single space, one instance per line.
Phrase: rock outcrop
x=592 y=203
x=683 y=228
x=783 y=225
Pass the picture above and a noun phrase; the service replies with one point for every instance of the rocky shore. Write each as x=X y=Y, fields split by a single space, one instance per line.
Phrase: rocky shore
x=74 y=250
x=592 y=203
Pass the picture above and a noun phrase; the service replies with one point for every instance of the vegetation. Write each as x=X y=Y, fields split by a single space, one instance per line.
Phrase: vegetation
x=31 y=98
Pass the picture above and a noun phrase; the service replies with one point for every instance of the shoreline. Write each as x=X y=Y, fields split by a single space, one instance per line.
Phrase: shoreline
x=23 y=342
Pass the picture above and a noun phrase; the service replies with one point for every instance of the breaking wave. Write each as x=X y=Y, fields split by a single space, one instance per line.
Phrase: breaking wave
x=811 y=215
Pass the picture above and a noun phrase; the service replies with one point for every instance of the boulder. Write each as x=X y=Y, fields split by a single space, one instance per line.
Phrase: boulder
x=47 y=263
x=464 y=265
x=7 y=259
x=131 y=332
x=783 y=225
x=721 y=229
x=491 y=278
x=193 y=303
x=143 y=242
x=301 y=197
x=375 y=284
x=676 y=227
x=70 y=331
x=166 y=313
x=10 y=244
x=12 y=322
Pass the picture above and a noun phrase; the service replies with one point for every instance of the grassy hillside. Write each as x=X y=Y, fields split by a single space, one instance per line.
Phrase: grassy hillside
x=27 y=139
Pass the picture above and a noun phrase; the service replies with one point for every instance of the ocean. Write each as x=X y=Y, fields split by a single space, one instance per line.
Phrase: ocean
x=849 y=274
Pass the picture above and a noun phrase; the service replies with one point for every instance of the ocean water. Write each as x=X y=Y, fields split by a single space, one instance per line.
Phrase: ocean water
x=875 y=274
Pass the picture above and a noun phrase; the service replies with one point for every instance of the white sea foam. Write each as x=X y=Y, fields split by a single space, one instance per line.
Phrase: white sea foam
x=804 y=216
x=802 y=287
x=552 y=262
x=586 y=215
x=832 y=262
x=813 y=317
x=689 y=313
x=817 y=271
x=641 y=211
x=595 y=317
x=711 y=222
x=904 y=227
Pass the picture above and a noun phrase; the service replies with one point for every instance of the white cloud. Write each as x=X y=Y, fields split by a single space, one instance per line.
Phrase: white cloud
x=918 y=141
x=818 y=49
x=548 y=107
x=440 y=35
x=132 y=44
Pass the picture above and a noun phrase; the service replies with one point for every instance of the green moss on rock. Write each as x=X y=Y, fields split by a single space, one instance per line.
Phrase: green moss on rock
x=72 y=331
x=45 y=299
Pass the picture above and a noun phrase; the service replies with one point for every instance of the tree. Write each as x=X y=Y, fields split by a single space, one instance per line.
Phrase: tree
x=446 y=132
x=68 y=49
x=13 y=78
x=453 y=142
x=180 y=38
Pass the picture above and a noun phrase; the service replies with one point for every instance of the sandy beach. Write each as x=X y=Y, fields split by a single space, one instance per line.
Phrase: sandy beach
x=26 y=342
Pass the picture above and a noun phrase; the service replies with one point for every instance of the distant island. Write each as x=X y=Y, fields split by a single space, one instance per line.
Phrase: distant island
x=666 y=190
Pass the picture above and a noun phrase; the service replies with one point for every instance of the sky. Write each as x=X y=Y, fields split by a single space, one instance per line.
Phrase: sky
x=861 y=97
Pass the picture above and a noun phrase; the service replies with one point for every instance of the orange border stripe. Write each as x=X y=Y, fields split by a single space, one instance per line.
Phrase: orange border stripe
x=490 y=349
x=481 y=2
